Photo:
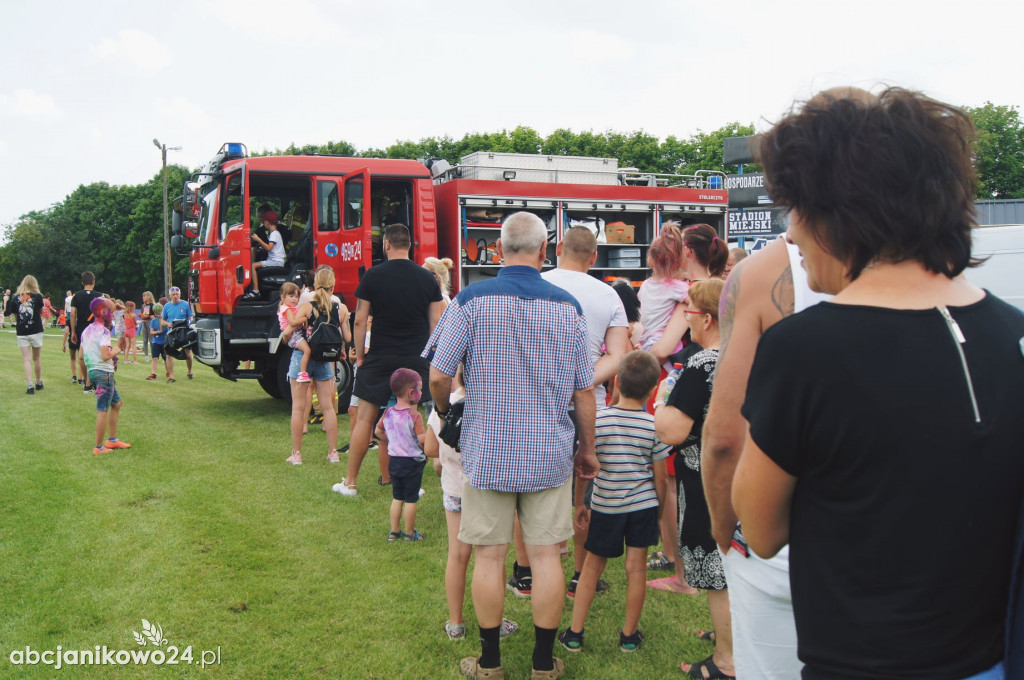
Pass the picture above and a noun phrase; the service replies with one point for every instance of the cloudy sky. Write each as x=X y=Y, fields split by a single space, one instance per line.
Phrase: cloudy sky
x=85 y=87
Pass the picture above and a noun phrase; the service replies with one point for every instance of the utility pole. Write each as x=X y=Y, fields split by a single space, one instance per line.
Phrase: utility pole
x=167 y=238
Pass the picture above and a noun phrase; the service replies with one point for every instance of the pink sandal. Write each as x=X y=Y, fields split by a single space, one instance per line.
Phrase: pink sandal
x=671 y=584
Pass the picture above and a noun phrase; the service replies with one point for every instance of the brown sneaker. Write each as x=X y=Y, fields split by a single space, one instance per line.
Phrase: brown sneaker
x=549 y=675
x=470 y=668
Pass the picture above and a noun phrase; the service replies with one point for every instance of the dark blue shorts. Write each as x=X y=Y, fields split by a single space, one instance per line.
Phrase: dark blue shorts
x=157 y=351
x=406 y=478
x=608 y=533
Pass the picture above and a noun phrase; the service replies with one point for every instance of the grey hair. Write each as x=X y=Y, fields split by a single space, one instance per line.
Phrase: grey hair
x=523 y=232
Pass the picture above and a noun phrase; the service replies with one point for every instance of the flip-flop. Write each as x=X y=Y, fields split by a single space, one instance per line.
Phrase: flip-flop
x=670 y=584
x=706 y=635
x=714 y=672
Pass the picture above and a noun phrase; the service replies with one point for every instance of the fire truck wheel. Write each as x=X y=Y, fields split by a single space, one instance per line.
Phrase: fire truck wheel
x=274 y=380
x=281 y=371
x=343 y=375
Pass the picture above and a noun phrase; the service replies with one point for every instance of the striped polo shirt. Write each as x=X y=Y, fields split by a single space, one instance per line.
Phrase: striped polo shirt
x=626 y=448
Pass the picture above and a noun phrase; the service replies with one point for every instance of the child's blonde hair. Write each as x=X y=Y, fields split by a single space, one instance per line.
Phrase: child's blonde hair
x=289 y=288
x=442 y=270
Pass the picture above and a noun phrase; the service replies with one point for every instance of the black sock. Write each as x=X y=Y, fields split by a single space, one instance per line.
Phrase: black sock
x=542 y=648
x=575 y=576
x=519 y=570
x=490 y=652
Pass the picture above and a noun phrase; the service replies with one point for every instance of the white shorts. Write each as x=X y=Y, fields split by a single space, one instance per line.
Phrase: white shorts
x=34 y=340
x=763 y=628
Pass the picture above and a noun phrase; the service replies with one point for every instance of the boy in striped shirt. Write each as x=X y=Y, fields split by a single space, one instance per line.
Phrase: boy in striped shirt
x=628 y=498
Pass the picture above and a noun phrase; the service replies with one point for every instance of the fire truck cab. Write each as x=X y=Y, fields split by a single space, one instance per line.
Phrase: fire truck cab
x=331 y=210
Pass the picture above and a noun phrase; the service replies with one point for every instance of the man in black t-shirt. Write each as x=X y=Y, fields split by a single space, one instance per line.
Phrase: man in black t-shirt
x=405 y=302
x=79 y=320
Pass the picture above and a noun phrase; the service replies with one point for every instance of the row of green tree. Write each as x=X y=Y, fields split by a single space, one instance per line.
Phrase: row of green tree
x=116 y=231
x=702 y=151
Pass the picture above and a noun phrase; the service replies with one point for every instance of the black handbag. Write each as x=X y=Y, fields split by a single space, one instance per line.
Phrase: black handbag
x=451 y=428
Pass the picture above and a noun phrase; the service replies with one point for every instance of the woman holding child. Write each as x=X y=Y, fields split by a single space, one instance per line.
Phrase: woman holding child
x=321 y=372
x=679 y=420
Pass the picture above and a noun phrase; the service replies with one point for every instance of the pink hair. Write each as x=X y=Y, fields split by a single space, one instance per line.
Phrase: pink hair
x=666 y=252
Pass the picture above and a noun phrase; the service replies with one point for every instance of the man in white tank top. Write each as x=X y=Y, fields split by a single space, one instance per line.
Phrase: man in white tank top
x=761 y=290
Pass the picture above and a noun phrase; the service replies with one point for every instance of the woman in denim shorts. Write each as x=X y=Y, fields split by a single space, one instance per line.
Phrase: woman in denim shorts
x=321 y=372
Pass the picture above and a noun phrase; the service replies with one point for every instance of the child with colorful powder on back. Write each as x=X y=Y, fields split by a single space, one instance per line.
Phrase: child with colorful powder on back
x=297 y=340
x=660 y=294
x=99 y=357
x=402 y=428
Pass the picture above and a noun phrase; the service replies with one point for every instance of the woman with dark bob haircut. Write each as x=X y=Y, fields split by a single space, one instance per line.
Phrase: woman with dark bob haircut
x=886 y=442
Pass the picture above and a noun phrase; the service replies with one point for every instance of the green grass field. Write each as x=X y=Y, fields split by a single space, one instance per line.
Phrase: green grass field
x=202 y=528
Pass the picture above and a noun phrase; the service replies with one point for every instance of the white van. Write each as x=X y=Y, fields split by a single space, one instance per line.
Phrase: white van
x=1003 y=273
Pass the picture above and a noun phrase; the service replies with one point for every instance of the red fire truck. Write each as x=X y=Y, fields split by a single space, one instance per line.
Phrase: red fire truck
x=332 y=211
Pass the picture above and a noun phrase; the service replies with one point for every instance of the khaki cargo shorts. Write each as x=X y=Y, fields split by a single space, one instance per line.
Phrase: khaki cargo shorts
x=545 y=516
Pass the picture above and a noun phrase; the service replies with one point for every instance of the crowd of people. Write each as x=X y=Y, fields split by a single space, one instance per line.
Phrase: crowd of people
x=834 y=406
x=96 y=331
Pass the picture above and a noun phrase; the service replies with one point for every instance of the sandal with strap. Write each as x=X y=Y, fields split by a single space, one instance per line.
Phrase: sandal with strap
x=714 y=672
x=470 y=668
x=707 y=636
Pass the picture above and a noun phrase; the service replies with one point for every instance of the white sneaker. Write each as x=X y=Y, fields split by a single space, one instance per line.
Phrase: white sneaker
x=344 y=489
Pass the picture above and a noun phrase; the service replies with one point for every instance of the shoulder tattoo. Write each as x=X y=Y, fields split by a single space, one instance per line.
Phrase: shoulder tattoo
x=783 y=294
x=727 y=309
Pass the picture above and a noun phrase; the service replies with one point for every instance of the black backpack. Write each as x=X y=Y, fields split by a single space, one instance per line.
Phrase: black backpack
x=325 y=342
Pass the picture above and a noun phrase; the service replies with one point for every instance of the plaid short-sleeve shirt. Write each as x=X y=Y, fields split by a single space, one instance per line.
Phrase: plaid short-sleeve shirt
x=524 y=344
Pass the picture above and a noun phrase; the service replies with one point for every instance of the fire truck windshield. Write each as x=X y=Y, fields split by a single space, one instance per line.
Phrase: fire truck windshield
x=206 y=215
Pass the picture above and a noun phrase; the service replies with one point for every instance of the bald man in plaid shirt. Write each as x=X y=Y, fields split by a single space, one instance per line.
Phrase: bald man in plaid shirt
x=524 y=345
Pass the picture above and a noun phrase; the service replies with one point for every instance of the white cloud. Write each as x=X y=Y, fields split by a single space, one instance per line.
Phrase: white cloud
x=30 y=104
x=590 y=46
x=135 y=48
x=186 y=113
x=298 y=21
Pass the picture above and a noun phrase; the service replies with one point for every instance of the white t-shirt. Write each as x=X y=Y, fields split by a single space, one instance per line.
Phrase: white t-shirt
x=276 y=256
x=602 y=309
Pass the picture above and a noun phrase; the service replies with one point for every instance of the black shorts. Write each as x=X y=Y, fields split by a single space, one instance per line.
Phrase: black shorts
x=373 y=379
x=157 y=351
x=76 y=345
x=608 y=533
x=406 y=478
